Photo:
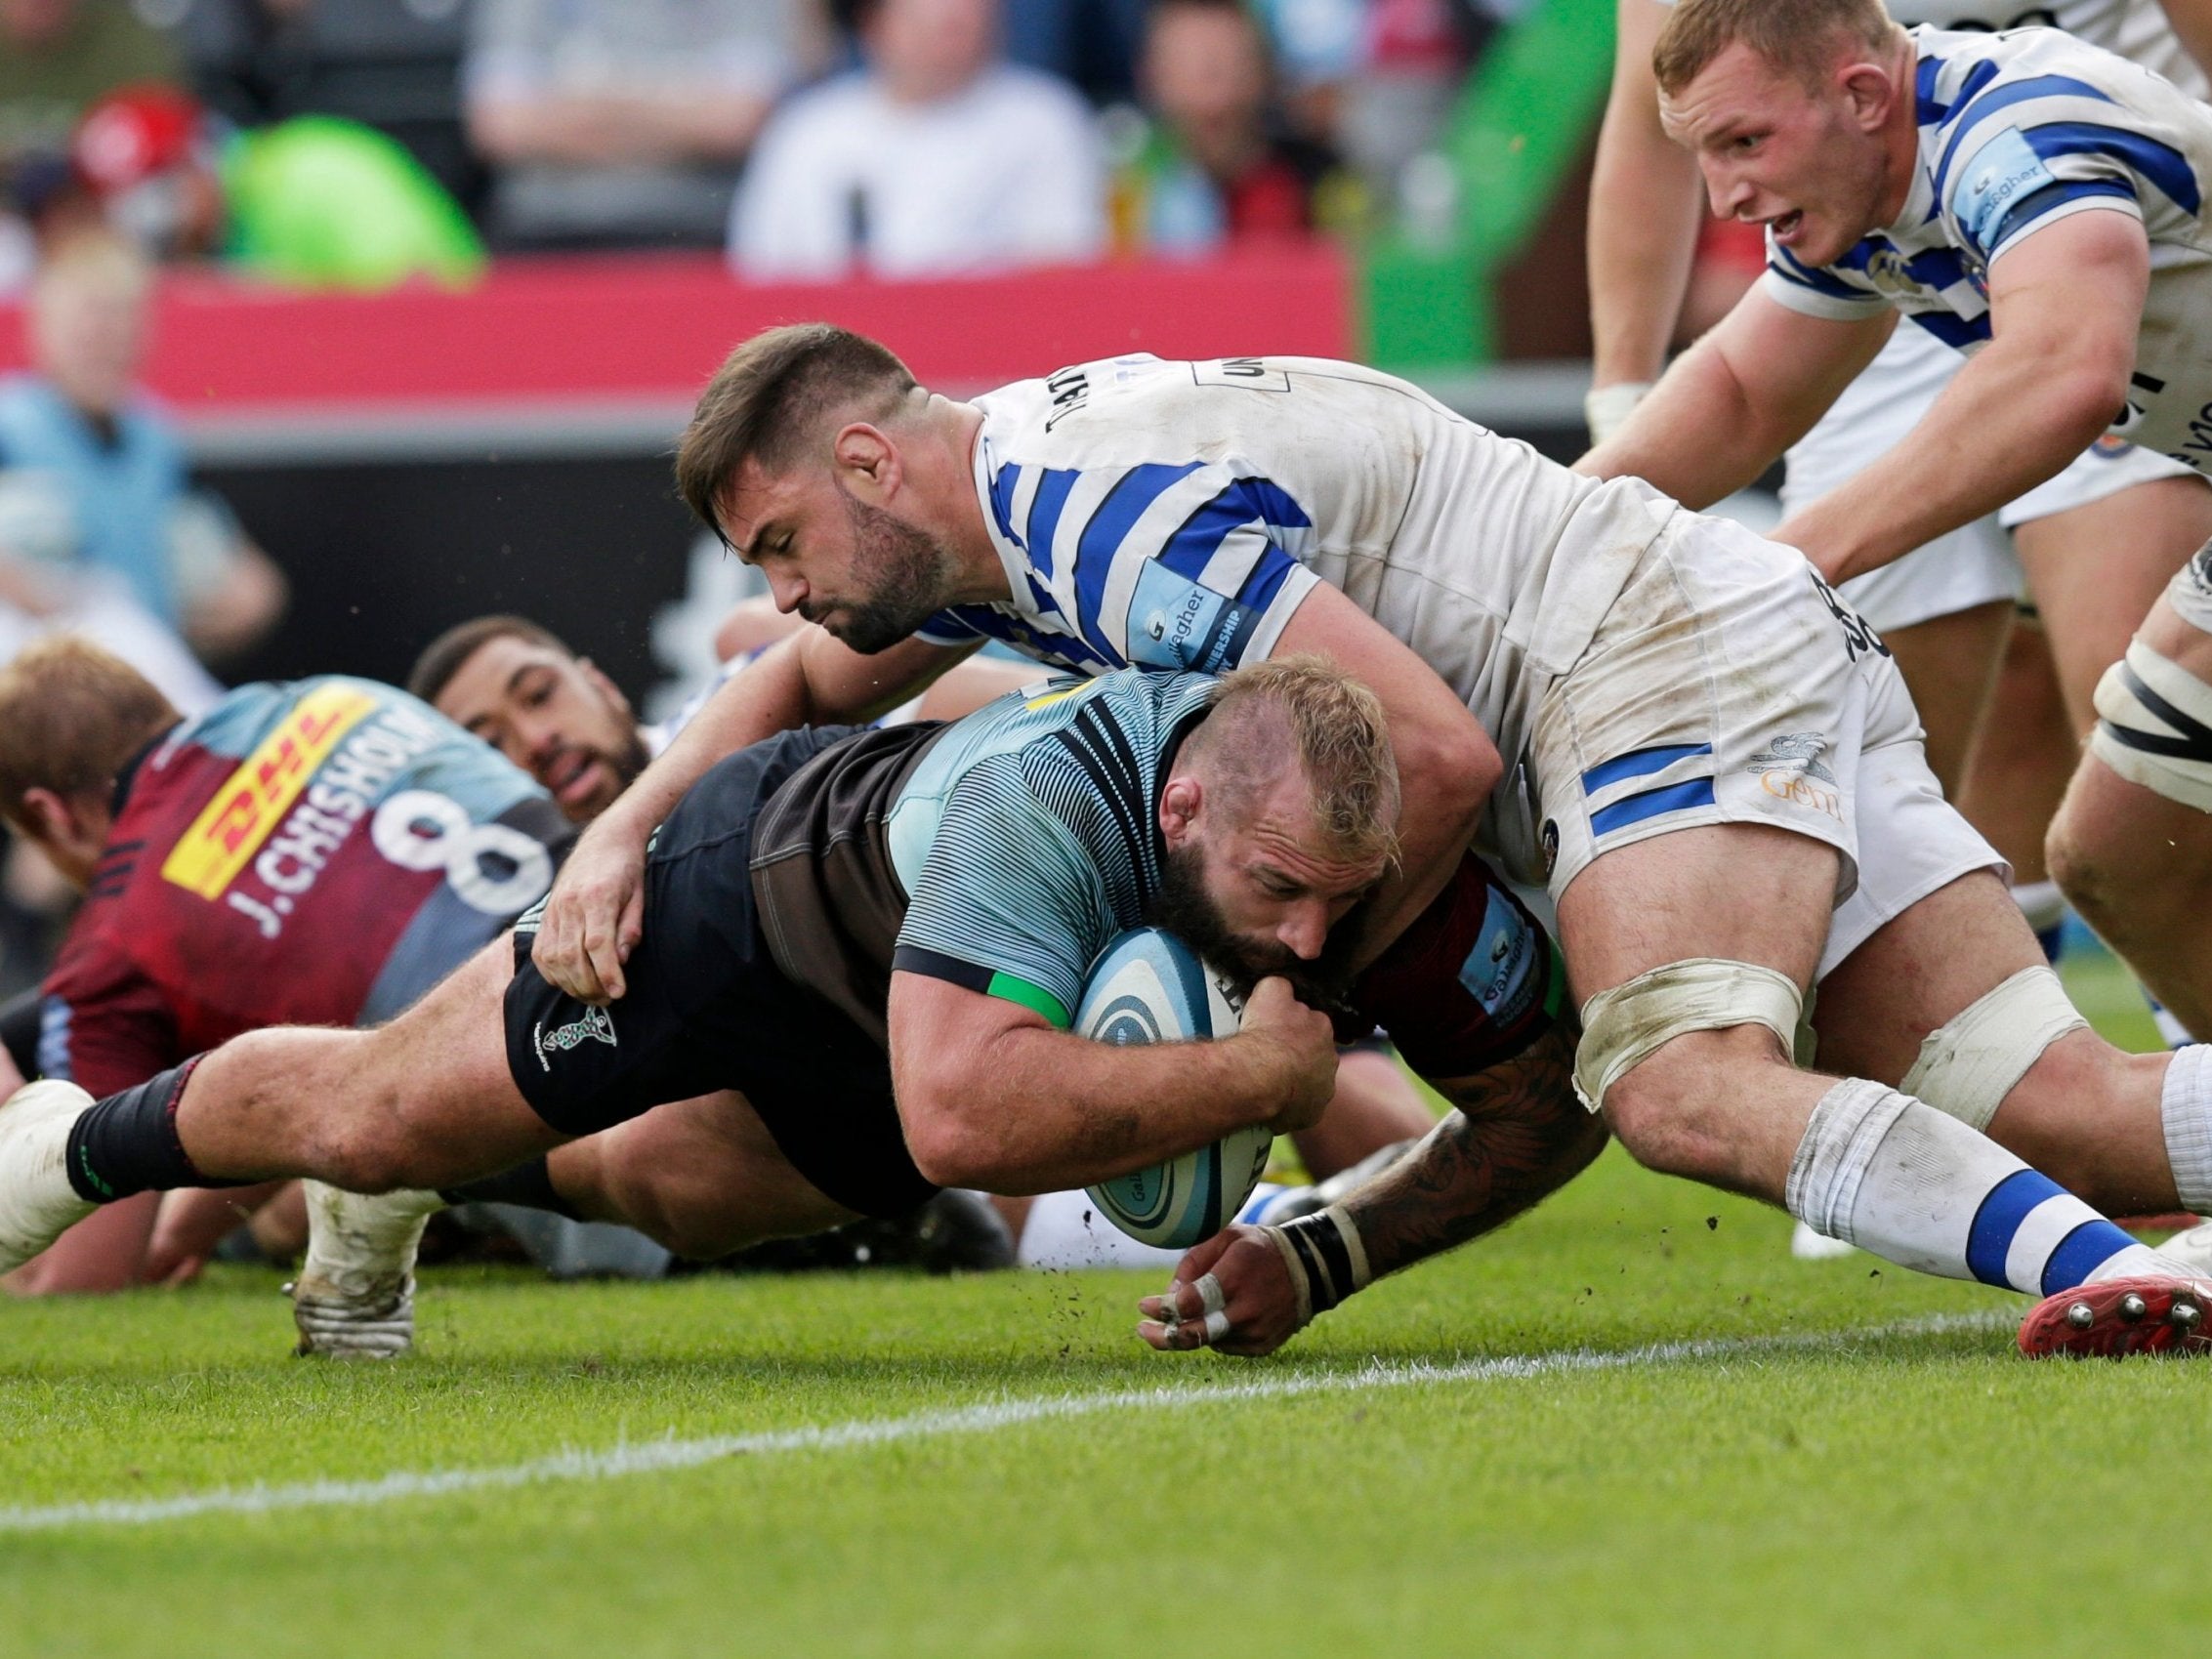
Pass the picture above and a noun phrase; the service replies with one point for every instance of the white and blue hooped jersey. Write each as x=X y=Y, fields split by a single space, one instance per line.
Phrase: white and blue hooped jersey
x=2018 y=131
x=1174 y=516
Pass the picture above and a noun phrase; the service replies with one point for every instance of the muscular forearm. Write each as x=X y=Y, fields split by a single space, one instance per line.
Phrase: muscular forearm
x=1699 y=435
x=1037 y=1110
x=2009 y=420
x=1643 y=234
x=1518 y=1134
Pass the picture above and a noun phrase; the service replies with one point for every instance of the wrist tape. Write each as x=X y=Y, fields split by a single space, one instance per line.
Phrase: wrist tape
x=1327 y=1262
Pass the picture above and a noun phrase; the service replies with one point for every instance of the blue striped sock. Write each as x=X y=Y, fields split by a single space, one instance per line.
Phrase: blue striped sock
x=2031 y=1235
x=1893 y=1176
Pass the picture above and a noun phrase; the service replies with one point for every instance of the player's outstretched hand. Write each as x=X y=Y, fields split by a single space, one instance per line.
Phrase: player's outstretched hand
x=1305 y=1041
x=1233 y=1293
x=595 y=914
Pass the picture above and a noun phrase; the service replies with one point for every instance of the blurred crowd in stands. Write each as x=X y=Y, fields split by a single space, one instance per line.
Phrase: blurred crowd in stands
x=355 y=143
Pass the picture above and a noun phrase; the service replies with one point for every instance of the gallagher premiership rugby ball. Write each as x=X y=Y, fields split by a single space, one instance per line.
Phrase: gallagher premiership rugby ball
x=1150 y=987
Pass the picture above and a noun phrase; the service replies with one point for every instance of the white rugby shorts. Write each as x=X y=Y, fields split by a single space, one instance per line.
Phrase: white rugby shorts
x=1727 y=684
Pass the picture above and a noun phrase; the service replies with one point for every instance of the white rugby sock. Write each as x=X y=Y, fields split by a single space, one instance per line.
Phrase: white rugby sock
x=1893 y=1174
x=2184 y=1108
x=2171 y=1031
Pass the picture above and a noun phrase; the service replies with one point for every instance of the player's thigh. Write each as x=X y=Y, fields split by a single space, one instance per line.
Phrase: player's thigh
x=1741 y=893
x=2096 y=569
x=703 y=1176
x=2023 y=753
x=1918 y=970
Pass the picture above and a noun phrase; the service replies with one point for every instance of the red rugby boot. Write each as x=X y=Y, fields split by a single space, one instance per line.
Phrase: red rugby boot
x=2120 y=1317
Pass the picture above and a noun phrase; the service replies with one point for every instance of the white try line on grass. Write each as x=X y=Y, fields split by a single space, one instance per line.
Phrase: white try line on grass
x=657 y=1456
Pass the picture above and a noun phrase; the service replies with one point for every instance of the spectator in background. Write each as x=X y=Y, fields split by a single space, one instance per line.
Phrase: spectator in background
x=935 y=158
x=615 y=121
x=108 y=455
x=1376 y=79
x=57 y=56
x=1216 y=165
x=315 y=201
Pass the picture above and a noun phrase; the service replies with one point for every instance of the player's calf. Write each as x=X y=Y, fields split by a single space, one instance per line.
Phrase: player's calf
x=1862 y=1163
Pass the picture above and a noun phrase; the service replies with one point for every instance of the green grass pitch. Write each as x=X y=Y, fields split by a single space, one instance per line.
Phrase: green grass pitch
x=1628 y=1426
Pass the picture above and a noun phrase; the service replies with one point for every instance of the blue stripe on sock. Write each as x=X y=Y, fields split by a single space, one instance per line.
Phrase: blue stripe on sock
x=1991 y=1239
x=1635 y=808
x=2082 y=1252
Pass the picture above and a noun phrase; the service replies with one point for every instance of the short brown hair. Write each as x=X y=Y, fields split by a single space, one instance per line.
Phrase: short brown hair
x=1335 y=726
x=1798 y=37
x=770 y=397
x=70 y=715
x=442 y=657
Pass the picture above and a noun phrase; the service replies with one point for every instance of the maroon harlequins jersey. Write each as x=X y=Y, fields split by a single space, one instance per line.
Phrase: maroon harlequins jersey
x=317 y=852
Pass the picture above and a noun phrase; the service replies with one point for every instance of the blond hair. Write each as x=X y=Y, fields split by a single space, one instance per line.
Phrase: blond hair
x=770 y=401
x=1798 y=37
x=70 y=715
x=1337 y=729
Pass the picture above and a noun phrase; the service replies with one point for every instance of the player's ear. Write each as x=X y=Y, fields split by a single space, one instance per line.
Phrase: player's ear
x=1180 y=804
x=868 y=461
x=45 y=818
x=72 y=833
x=1869 y=91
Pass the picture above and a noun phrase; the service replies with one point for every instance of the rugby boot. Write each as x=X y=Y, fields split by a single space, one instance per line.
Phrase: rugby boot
x=2119 y=1317
x=355 y=1298
x=37 y=1203
x=2192 y=1248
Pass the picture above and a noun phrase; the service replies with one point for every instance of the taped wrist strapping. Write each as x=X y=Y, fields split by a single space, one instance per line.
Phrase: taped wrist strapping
x=1327 y=1260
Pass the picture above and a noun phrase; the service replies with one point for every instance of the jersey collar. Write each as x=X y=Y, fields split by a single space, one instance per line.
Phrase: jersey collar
x=1013 y=556
x=127 y=773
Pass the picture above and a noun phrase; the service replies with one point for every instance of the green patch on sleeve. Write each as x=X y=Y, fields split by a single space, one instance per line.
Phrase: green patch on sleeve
x=1031 y=997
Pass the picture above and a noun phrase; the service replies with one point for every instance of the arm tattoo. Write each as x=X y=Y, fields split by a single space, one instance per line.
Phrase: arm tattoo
x=1518 y=1134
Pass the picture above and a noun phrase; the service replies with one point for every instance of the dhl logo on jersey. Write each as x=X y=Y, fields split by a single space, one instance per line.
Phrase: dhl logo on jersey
x=254 y=799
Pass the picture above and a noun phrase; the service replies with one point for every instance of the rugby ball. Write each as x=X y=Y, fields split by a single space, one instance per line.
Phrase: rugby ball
x=1150 y=987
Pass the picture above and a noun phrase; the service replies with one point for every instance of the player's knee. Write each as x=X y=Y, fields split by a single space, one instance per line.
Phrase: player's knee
x=2084 y=868
x=1671 y=1111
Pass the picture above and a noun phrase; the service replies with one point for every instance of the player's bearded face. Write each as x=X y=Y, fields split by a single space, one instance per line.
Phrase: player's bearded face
x=1184 y=907
x=899 y=578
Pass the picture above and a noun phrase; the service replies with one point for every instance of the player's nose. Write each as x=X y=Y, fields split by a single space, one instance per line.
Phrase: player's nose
x=1728 y=197
x=1304 y=926
x=789 y=593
